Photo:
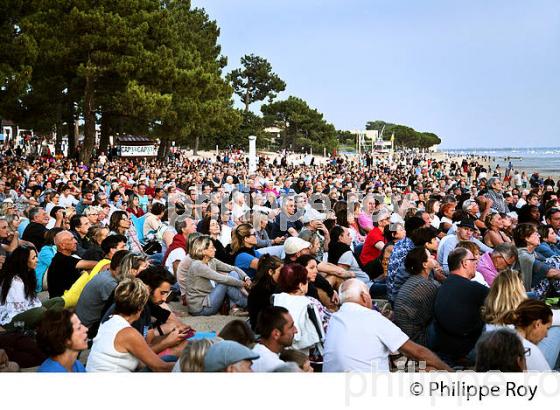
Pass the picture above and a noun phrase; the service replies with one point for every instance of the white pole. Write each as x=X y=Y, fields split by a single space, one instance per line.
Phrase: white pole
x=252 y=154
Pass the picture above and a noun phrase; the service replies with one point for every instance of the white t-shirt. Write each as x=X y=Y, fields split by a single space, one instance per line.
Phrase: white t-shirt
x=175 y=255
x=348 y=258
x=480 y=279
x=360 y=340
x=16 y=301
x=239 y=210
x=436 y=222
x=534 y=357
x=66 y=201
x=225 y=235
x=268 y=360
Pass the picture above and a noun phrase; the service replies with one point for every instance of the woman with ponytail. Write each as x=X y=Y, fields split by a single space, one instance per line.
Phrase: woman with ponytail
x=532 y=319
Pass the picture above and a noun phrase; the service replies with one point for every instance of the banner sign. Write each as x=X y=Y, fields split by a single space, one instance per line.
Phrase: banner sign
x=138 y=151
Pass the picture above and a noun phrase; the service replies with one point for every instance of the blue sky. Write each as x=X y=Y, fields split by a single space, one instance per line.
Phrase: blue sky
x=477 y=73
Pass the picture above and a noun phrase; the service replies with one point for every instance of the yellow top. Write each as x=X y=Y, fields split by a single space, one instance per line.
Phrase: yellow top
x=72 y=295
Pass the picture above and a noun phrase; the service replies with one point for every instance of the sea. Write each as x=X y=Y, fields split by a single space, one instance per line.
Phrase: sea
x=545 y=160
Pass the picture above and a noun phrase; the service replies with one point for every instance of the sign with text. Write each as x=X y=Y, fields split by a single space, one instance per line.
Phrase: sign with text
x=138 y=151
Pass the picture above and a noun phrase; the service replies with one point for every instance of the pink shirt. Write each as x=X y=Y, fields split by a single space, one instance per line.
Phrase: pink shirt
x=486 y=268
x=364 y=220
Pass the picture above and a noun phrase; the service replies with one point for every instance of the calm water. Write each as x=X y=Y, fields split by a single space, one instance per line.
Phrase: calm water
x=546 y=161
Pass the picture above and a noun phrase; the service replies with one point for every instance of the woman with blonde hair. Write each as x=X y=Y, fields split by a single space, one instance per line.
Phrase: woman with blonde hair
x=118 y=347
x=192 y=357
x=209 y=280
x=505 y=296
x=243 y=243
x=13 y=223
x=506 y=293
x=131 y=265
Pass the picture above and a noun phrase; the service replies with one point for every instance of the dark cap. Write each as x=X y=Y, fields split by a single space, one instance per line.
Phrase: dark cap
x=467 y=223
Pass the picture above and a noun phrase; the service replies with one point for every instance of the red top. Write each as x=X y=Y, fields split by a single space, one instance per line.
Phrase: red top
x=369 y=251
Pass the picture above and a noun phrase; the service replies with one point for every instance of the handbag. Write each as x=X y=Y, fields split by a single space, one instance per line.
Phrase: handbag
x=152 y=247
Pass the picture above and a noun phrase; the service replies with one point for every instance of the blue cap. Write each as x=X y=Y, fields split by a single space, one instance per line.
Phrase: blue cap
x=223 y=354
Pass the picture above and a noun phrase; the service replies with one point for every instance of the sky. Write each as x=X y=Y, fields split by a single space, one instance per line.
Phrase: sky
x=478 y=73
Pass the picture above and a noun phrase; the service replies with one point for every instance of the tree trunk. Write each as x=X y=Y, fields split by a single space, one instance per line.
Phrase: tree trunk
x=196 y=142
x=246 y=99
x=163 y=149
x=89 y=122
x=72 y=135
x=106 y=131
x=58 y=143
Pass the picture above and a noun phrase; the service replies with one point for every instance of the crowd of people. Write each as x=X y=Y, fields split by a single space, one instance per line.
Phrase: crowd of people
x=350 y=264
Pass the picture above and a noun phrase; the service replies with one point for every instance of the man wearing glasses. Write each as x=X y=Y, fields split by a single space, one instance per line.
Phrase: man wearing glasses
x=26 y=200
x=492 y=263
x=457 y=322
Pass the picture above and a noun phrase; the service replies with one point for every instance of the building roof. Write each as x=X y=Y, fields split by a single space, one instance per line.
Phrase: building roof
x=134 y=138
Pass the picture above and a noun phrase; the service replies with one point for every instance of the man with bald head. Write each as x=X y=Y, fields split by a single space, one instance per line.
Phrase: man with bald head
x=360 y=339
x=65 y=267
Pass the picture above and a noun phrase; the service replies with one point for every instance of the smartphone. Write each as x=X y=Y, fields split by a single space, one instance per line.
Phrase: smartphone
x=190 y=333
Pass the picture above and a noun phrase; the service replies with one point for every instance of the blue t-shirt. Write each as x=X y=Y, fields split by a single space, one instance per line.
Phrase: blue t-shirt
x=243 y=261
x=144 y=202
x=51 y=366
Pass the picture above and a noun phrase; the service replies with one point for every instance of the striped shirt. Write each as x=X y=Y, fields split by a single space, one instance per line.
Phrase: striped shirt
x=414 y=307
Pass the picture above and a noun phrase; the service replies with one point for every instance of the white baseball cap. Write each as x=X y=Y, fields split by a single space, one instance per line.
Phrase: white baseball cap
x=294 y=244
